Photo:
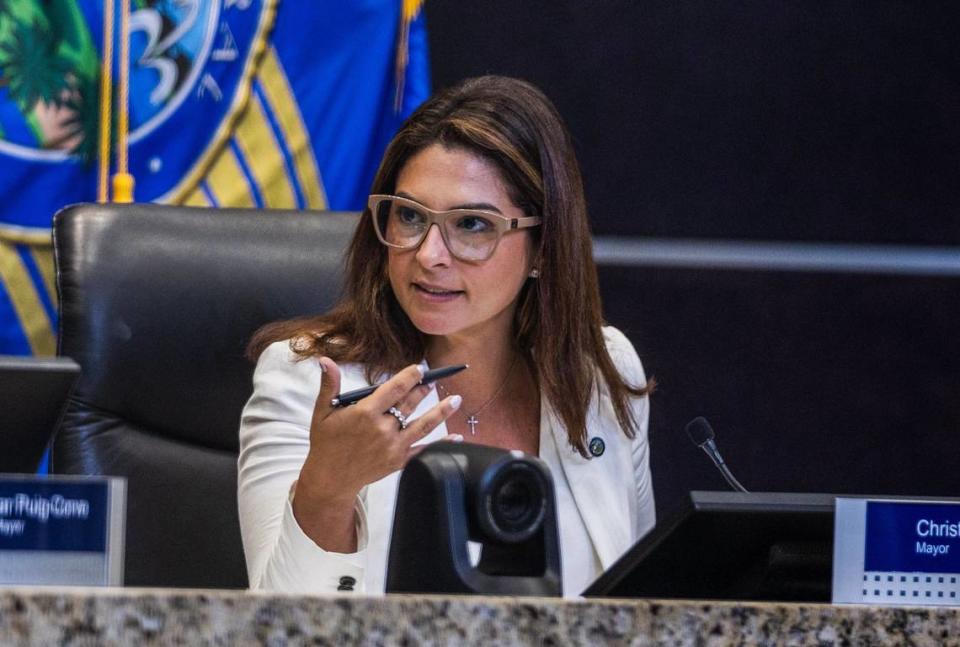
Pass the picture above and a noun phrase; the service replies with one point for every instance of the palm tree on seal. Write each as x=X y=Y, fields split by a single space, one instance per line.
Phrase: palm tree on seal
x=32 y=69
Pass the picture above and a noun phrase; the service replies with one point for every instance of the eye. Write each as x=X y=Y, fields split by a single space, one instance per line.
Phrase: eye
x=409 y=216
x=475 y=224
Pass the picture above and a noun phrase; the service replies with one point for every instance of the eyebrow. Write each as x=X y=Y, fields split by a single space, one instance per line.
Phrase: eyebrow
x=478 y=206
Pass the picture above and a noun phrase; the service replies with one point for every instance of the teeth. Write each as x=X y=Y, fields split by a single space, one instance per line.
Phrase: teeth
x=435 y=291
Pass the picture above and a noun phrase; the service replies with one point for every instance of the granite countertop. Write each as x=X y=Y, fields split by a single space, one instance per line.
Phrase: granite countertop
x=84 y=616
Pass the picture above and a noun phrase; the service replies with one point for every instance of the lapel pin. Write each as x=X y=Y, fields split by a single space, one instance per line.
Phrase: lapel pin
x=596 y=446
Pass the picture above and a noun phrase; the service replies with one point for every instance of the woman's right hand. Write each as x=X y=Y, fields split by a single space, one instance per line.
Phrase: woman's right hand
x=353 y=446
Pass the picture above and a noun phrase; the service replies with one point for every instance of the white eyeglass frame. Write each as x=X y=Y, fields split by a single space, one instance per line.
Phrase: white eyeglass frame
x=502 y=223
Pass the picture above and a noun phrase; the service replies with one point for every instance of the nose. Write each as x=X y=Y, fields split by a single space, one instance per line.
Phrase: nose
x=433 y=250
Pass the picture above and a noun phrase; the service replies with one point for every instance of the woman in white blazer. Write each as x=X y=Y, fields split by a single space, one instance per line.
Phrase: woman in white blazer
x=474 y=249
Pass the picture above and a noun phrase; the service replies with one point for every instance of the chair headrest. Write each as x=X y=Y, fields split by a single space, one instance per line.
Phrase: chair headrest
x=158 y=303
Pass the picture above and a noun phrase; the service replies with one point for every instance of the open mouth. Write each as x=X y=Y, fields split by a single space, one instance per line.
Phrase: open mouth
x=435 y=291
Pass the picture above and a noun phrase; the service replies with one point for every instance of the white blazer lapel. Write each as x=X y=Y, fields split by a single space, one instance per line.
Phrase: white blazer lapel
x=597 y=483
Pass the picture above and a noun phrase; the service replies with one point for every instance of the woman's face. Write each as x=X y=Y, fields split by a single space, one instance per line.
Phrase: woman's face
x=442 y=295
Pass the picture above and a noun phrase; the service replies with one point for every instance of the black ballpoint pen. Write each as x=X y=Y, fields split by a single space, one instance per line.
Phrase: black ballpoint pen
x=352 y=397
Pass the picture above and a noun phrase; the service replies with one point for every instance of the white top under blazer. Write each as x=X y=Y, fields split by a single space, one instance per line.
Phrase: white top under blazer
x=604 y=503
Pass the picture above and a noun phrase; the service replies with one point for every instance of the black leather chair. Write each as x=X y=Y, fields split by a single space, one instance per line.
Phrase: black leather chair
x=157 y=304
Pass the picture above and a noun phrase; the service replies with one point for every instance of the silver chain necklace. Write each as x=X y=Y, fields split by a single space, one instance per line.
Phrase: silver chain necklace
x=472 y=419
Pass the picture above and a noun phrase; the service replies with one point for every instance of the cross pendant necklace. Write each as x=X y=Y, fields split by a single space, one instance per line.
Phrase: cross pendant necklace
x=473 y=422
x=472 y=419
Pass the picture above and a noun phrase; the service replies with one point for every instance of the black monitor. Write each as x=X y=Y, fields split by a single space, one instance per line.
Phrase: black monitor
x=33 y=395
x=767 y=546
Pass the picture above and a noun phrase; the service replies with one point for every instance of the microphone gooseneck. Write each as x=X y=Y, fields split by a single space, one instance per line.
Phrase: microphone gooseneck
x=701 y=434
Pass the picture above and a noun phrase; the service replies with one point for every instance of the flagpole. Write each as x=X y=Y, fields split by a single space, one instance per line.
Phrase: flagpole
x=106 y=99
x=408 y=13
x=122 y=180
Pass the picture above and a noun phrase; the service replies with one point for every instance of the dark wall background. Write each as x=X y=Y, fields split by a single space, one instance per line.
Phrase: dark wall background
x=771 y=120
x=814 y=382
x=787 y=119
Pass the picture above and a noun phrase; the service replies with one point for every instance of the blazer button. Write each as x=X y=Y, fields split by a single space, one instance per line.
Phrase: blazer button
x=596 y=446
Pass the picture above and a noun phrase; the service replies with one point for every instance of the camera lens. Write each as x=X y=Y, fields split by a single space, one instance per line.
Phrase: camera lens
x=515 y=503
x=511 y=503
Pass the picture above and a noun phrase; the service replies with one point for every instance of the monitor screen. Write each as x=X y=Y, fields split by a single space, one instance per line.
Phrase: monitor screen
x=731 y=546
x=33 y=395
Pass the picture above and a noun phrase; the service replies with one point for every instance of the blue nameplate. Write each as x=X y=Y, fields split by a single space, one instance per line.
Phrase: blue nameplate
x=897 y=551
x=61 y=530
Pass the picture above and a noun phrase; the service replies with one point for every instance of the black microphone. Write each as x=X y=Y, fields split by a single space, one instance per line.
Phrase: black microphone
x=701 y=433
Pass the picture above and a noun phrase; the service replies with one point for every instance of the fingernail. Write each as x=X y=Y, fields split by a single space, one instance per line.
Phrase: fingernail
x=323 y=369
x=420 y=368
x=455 y=438
x=456 y=401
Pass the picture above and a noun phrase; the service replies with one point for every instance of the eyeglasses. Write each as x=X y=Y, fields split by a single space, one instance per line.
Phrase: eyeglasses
x=470 y=234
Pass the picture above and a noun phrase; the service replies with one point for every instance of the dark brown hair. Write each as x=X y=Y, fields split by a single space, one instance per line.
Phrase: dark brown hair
x=558 y=318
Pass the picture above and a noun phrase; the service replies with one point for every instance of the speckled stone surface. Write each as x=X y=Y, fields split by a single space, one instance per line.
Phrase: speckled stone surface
x=48 y=616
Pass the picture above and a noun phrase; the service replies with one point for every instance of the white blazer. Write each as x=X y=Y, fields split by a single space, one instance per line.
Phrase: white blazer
x=612 y=492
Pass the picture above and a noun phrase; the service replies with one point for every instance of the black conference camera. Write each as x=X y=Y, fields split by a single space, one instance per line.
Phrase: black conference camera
x=454 y=492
